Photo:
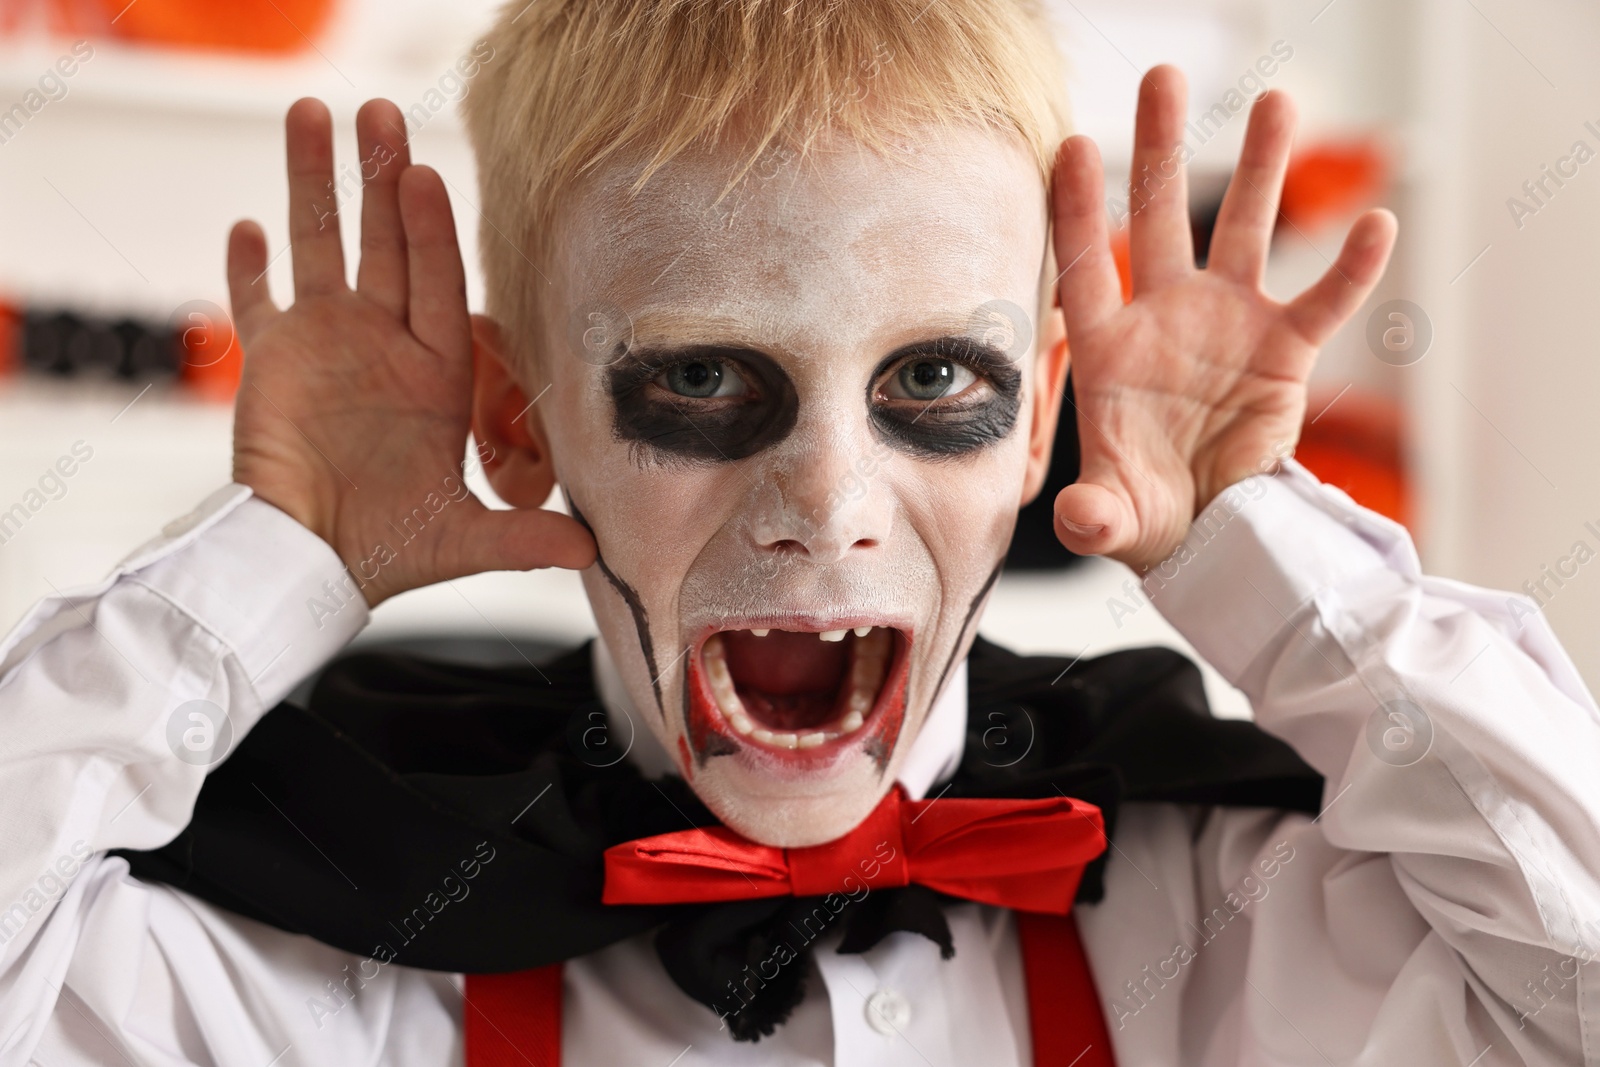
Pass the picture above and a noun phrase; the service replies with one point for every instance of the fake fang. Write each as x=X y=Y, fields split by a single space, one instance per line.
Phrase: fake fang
x=801 y=697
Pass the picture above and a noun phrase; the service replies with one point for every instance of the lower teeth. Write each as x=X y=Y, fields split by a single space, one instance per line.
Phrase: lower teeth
x=777 y=740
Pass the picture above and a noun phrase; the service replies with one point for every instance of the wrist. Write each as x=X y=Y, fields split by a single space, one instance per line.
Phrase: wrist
x=319 y=518
x=300 y=507
x=1210 y=483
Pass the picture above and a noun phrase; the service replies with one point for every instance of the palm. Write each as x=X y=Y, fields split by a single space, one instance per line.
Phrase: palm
x=1199 y=381
x=355 y=403
x=350 y=373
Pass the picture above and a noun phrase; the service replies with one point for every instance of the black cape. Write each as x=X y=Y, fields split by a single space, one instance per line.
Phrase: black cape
x=454 y=818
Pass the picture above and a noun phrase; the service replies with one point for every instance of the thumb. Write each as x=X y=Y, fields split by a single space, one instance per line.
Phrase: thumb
x=521 y=539
x=1091 y=520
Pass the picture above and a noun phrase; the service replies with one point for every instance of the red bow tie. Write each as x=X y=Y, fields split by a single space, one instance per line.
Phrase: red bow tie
x=1022 y=854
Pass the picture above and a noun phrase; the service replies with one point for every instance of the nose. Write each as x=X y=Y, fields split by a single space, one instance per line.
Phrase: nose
x=823 y=503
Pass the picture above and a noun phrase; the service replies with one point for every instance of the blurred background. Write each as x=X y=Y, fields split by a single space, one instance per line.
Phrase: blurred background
x=1459 y=401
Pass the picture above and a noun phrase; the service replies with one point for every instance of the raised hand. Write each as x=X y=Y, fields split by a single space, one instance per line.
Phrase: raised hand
x=1200 y=380
x=354 y=407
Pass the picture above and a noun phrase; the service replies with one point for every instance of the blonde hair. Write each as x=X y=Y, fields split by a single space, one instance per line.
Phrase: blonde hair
x=575 y=83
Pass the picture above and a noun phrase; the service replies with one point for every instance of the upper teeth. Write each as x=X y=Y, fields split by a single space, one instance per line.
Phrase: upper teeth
x=825 y=635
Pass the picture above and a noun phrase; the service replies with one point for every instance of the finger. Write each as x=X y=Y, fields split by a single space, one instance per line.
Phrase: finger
x=517 y=540
x=1088 y=283
x=313 y=201
x=438 y=284
x=1158 y=189
x=1091 y=520
x=249 y=297
x=1323 y=308
x=381 y=140
x=1249 y=210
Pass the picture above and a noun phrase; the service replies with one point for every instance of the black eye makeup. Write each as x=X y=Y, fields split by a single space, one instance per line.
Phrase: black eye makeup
x=945 y=397
x=701 y=402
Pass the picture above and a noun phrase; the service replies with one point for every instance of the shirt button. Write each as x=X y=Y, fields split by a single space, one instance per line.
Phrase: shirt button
x=888 y=1012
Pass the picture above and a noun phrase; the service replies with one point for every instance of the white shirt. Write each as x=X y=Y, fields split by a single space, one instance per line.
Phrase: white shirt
x=1441 y=912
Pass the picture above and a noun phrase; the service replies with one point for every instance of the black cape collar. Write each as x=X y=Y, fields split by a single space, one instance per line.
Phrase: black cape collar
x=454 y=818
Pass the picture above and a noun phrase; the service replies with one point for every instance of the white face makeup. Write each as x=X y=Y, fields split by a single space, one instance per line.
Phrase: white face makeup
x=801 y=447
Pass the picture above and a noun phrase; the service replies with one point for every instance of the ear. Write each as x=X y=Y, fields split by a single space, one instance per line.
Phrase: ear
x=510 y=435
x=1050 y=378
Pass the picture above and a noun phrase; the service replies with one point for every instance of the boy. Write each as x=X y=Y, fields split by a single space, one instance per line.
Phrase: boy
x=744 y=259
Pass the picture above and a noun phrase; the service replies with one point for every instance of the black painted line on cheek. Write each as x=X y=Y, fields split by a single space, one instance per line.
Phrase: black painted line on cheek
x=972 y=610
x=641 y=618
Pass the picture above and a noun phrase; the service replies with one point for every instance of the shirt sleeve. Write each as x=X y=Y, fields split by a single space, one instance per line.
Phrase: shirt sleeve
x=1459 y=743
x=116 y=699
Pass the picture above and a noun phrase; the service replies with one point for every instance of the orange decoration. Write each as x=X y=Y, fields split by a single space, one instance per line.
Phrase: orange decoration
x=10 y=338
x=1330 y=180
x=210 y=356
x=275 y=26
x=1356 y=443
x=1122 y=255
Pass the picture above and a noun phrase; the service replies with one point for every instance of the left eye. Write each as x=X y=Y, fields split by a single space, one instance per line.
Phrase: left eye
x=702 y=379
x=928 y=378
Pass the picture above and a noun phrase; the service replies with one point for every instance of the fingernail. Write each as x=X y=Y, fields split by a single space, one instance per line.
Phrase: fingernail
x=1082 y=530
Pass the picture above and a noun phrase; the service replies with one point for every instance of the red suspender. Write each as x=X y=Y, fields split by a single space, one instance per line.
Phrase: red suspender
x=1069 y=1029
x=514 y=1020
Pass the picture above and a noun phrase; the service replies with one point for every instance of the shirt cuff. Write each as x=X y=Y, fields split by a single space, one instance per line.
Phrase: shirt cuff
x=266 y=586
x=1259 y=552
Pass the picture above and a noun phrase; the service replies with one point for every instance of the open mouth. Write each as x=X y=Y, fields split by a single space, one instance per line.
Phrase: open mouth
x=803 y=693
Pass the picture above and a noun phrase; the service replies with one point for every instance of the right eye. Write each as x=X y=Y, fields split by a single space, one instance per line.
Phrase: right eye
x=701 y=379
x=700 y=403
x=929 y=378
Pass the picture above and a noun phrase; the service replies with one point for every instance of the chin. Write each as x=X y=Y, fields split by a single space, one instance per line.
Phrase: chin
x=793 y=726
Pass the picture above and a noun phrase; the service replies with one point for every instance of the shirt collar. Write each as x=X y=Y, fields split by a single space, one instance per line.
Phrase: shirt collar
x=934 y=755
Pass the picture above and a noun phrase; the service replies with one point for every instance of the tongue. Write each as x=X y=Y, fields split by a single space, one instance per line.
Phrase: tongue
x=787 y=681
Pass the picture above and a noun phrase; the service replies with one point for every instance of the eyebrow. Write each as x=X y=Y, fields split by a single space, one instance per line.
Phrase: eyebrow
x=670 y=332
x=961 y=346
x=667 y=328
x=636 y=363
